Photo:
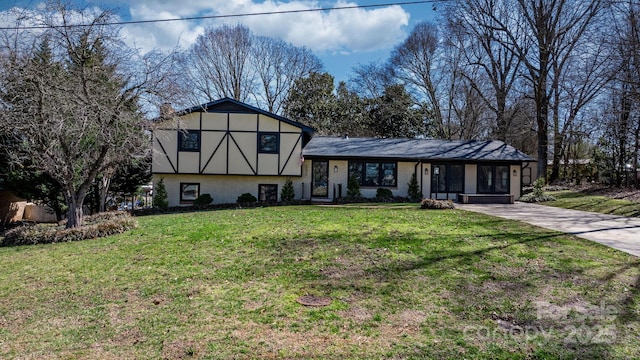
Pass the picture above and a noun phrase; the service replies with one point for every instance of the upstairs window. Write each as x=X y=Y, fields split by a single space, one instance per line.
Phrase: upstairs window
x=268 y=143
x=189 y=140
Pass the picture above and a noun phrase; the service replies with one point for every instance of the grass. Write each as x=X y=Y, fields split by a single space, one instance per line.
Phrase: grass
x=568 y=199
x=404 y=283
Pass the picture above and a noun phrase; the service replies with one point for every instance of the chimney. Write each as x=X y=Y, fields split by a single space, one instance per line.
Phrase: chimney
x=166 y=111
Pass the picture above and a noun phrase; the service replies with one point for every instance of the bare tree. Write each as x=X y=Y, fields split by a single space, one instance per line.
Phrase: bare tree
x=414 y=62
x=472 y=30
x=582 y=80
x=370 y=80
x=543 y=34
x=622 y=135
x=218 y=64
x=69 y=105
x=278 y=65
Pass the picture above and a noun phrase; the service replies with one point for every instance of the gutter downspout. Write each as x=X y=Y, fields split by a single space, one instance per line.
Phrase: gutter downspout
x=415 y=169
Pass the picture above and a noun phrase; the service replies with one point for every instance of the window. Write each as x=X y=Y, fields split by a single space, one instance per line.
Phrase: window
x=374 y=174
x=268 y=143
x=189 y=140
x=447 y=178
x=320 y=181
x=189 y=192
x=268 y=192
x=493 y=179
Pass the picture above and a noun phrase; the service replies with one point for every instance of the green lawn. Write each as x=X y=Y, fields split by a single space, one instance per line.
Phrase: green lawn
x=404 y=283
x=579 y=201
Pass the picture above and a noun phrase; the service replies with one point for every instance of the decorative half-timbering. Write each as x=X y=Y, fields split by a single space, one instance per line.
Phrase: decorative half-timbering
x=227 y=148
x=230 y=139
x=223 y=140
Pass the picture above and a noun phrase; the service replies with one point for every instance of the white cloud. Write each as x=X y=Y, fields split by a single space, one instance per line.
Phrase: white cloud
x=329 y=32
x=353 y=30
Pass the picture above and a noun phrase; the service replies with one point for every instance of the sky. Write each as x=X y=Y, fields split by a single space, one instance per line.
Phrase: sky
x=342 y=39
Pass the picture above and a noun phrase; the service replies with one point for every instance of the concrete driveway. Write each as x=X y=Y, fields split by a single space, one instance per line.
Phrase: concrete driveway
x=618 y=232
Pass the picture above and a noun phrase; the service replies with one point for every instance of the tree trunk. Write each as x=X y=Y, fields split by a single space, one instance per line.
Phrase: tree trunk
x=75 y=200
x=557 y=135
x=542 y=119
x=557 y=157
x=74 y=213
x=105 y=182
x=501 y=123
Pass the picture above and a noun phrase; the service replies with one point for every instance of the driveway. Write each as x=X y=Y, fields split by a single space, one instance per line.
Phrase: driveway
x=618 y=232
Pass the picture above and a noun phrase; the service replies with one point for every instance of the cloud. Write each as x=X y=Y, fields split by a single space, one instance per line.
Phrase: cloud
x=344 y=31
x=328 y=32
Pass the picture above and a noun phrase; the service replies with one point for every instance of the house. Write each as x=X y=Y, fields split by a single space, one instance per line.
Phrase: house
x=444 y=169
x=226 y=148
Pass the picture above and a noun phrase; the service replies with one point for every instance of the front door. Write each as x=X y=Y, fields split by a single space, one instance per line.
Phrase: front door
x=320 y=180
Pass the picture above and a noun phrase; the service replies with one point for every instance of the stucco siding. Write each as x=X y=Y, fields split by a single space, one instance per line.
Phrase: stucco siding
x=188 y=162
x=165 y=146
x=514 y=183
x=470 y=178
x=243 y=122
x=268 y=164
x=225 y=188
x=190 y=121
x=290 y=151
x=214 y=153
x=214 y=121
x=242 y=153
x=425 y=179
x=284 y=127
x=269 y=124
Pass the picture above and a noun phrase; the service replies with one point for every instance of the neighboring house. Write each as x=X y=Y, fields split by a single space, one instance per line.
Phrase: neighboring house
x=226 y=148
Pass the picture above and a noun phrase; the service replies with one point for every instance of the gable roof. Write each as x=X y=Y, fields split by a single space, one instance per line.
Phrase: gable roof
x=413 y=149
x=234 y=106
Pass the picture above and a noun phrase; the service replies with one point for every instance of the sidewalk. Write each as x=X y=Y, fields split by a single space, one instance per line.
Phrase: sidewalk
x=618 y=232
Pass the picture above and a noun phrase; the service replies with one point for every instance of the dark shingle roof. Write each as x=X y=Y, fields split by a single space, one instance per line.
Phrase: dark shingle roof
x=412 y=149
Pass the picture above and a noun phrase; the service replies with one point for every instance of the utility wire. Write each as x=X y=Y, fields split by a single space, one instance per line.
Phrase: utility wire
x=131 y=22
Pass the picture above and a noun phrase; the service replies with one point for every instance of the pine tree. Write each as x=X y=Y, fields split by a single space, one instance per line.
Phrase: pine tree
x=160 y=195
x=287 y=193
x=353 y=187
x=414 y=190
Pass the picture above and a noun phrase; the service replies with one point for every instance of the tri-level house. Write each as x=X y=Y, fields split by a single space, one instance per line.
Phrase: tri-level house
x=226 y=148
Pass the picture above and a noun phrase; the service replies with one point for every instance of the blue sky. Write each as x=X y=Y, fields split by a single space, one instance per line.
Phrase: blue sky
x=342 y=39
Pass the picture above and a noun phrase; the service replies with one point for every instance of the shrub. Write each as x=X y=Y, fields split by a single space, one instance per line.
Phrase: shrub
x=160 y=195
x=95 y=226
x=203 y=199
x=246 y=198
x=287 y=193
x=414 y=193
x=436 y=204
x=353 y=187
x=537 y=195
x=383 y=193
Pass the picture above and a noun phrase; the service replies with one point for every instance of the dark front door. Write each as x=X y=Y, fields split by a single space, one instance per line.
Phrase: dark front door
x=320 y=180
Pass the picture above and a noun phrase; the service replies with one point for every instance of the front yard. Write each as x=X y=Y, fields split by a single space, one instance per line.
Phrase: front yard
x=605 y=201
x=403 y=283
